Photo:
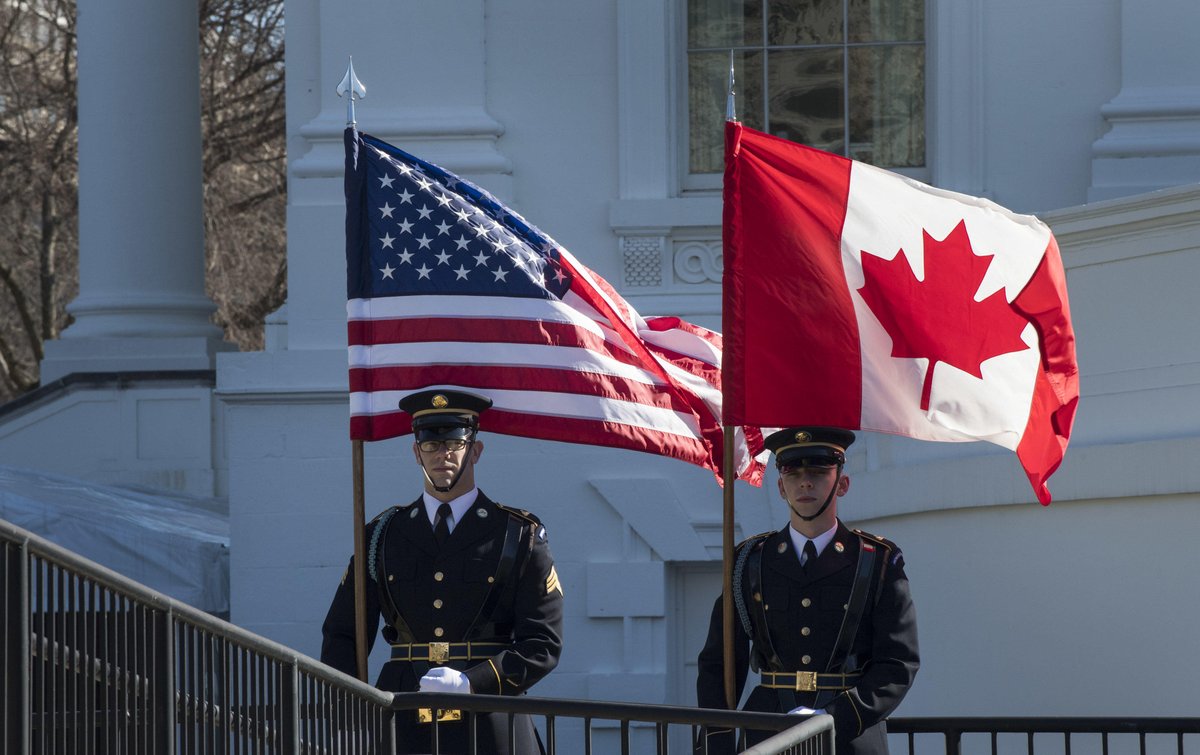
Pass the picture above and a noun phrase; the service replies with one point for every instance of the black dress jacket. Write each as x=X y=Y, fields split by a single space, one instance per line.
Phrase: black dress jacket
x=804 y=610
x=442 y=594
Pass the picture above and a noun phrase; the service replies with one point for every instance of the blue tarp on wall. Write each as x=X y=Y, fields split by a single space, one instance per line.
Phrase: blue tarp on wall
x=171 y=543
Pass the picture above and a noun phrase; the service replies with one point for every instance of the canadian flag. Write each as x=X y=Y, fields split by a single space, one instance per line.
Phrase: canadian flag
x=862 y=299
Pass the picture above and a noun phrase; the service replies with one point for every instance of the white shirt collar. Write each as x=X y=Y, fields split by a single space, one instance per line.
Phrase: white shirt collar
x=459 y=506
x=819 y=542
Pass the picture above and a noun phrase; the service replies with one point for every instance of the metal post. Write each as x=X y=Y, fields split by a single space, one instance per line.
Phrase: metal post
x=162 y=729
x=289 y=705
x=15 y=663
x=389 y=732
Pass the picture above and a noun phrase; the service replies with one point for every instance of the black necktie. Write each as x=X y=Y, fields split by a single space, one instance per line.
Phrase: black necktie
x=441 y=530
x=810 y=556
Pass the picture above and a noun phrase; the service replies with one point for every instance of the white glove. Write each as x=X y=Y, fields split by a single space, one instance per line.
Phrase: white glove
x=802 y=711
x=442 y=679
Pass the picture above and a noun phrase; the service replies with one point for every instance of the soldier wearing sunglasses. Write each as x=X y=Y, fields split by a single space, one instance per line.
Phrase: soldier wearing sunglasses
x=466 y=588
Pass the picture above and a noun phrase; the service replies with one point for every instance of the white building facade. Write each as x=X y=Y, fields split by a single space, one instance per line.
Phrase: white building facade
x=576 y=115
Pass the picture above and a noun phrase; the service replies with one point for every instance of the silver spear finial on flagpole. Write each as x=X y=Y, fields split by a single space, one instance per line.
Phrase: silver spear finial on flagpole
x=730 y=103
x=351 y=88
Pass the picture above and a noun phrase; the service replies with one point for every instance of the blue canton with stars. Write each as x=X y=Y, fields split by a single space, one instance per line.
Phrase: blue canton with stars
x=413 y=228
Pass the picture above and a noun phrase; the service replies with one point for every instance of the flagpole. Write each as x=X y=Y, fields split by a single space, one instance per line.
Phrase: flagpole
x=360 y=564
x=351 y=88
x=729 y=475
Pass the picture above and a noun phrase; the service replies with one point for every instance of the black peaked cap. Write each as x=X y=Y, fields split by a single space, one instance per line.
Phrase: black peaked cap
x=439 y=409
x=817 y=443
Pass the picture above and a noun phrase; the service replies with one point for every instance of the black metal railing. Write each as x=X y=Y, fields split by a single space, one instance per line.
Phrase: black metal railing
x=93 y=662
x=611 y=727
x=1001 y=736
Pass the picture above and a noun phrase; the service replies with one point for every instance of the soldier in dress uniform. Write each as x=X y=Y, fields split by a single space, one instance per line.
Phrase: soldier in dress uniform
x=823 y=612
x=466 y=587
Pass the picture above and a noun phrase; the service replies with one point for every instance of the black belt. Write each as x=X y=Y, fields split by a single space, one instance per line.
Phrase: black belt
x=809 y=681
x=441 y=652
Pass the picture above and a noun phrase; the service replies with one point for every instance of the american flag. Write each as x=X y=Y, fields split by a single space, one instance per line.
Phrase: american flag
x=447 y=287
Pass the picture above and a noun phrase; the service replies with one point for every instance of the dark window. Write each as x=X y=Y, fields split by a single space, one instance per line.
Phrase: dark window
x=847 y=76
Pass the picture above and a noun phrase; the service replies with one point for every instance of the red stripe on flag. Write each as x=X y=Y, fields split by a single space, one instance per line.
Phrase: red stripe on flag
x=481 y=330
x=787 y=310
x=518 y=378
x=1056 y=393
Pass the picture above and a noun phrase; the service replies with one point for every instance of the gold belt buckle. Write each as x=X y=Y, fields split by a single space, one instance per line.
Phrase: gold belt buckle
x=425 y=715
x=439 y=652
x=806 y=681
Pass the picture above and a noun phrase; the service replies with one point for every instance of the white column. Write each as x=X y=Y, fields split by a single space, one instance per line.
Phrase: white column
x=424 y=66
x=141 y=303
x=1154 y=139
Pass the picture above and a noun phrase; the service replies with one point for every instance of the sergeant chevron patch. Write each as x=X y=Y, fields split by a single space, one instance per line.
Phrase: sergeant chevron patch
x=552 y=582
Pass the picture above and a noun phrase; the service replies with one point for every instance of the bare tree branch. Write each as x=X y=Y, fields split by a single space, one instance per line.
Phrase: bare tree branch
x=244 y=172
x=21 y=302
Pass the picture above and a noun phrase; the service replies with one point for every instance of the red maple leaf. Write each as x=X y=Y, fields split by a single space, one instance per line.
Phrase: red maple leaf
x=938 y=318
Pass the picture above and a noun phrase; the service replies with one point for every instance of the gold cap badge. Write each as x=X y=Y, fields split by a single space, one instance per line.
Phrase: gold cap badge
x=803 y=437
x=439 y=401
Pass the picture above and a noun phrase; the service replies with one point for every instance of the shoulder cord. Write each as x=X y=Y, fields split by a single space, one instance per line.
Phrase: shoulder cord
x=374 y=547
x=386 y=605
x=739 y=600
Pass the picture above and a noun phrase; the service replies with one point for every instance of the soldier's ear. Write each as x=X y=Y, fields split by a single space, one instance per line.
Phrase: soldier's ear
x=476 y=450
x=843 y=485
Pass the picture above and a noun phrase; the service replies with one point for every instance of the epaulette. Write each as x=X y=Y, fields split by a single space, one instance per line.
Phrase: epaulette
x=388 y=511
x=754 y=538
x=880 y=541
x=891 y=552
x=521 y=513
